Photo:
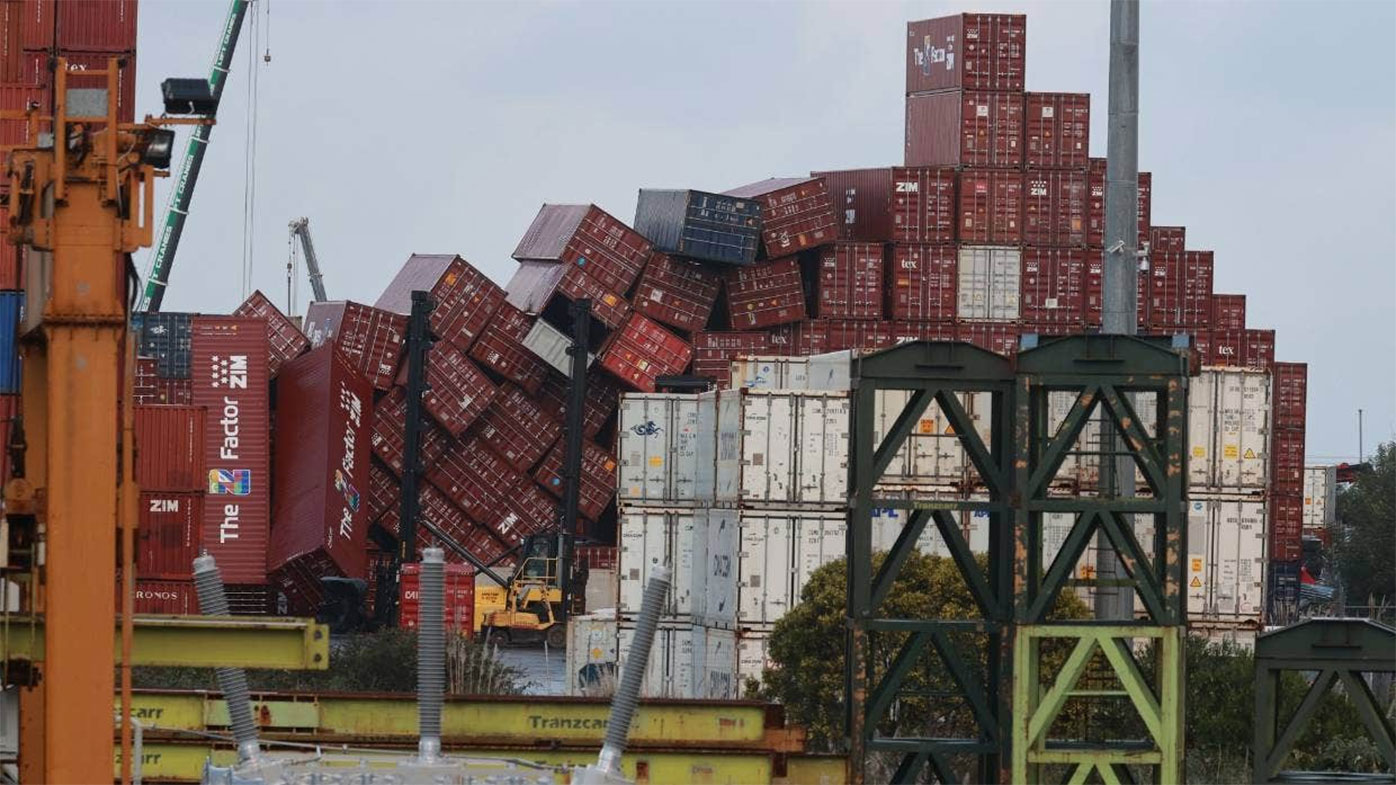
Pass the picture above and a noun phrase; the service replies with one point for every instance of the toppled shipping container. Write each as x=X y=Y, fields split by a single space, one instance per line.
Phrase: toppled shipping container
x=796 y=213
x=588 y=238
x=371 y=339
x=285 y=341
x=457 y=392
x=765 y=294
x=464 y=297
x=677 y=292
x=701 y=225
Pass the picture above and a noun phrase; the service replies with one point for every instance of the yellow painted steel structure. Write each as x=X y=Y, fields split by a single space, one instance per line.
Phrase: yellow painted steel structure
x=194 y=641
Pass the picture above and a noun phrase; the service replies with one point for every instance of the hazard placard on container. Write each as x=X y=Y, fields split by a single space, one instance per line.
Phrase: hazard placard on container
x=1199 y=452
x=1196 y=583
x=1197 y=564
x=1250 y=453
x=1231 y=451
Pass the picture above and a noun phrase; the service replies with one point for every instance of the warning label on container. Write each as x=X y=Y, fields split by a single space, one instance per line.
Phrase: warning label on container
x=1197 y=564
x=1230 y=451
x=1250 y=454
x=656 y=460
x=1195 y=583
x=1199 y=452
x=927 y=426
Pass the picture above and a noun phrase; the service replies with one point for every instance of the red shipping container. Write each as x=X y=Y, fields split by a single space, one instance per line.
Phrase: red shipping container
x=501 y=349
x=1228 y=312
x=448 y=519
x=713 y=352
x=11 y=39
x=517 y=428
x=677 y=292
x=371 y=339
x=474 y=478
x=965 y=128
x=602 y=398
x=1286 y=534
x=383 y=491
x=151 y=389
x=285 y=341
x=9 y=410
x=1058 y=131
x=17 y=97
x=39 y=24
x=991 y=207
x=1287 y=460
x=796 y=213
x=527 y=510
x=849 y=284
x=998 y=337
x=598 y=557
x=1168 y=239
x=178 y=598
x=922 y=281
x=11 y=264
x=589 y=238
x=1055 y=286
x=973 y=51
x=1095 y=224
x=1095 y=282
x=923 y=204
x=143 y=387
x=1180 y=290
x=389 y=418
x=324 y=421
x=1290 y=393
x=37 y=69
x=170 y=447
x=765 y=294
x=465 y=299
x=902 y=332
x=832 y=335
x=543 y=288
x=457 y=392
x=1242 y=348
x=458 y=593
x=168 y=535
x=97 y=25
x=643 y=351
x=862 y=201
x=1056 y=209
x=598 y=486
x=230 y=380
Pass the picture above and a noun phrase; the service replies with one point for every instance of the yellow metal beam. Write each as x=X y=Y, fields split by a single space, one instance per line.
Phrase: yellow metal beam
x=195 y=641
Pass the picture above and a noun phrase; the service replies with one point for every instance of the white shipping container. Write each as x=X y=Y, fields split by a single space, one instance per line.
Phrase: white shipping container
x=700 y=548
x=686 y=661
x=659 y=448
x=601 y=589
x=989 y=283
x=779 y=550
x=828 y=371
x=1080 y=468
x=887 y=524
x=719 y=606
x=591 y=655
x=1320 y=496
x=753 y=653
x=551 y=346
x=781 y=448
x=1229 y=431
x=1226 y=559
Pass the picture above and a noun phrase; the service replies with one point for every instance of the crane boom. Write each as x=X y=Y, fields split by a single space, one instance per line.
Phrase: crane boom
x=163 y=257
x=301 y=228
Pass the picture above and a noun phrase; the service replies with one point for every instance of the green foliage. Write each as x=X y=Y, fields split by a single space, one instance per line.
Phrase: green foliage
x=383 y=661
x=1364 y=548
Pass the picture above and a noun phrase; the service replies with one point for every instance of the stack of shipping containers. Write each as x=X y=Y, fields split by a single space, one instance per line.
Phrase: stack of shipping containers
x=1286 y=530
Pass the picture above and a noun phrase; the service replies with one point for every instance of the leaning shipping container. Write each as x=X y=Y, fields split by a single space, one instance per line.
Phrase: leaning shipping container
x=796 y=213
x=700 y=225
x=285 y=341
x=464 y=297
x=588 y=238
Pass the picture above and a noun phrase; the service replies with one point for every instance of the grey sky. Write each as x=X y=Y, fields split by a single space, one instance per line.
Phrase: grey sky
x=408 y=127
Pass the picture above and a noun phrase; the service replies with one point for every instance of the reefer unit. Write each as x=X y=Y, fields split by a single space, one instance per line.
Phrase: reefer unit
x=659 y=446
x=700 y=225
x=1320 y=496
x=1229 y=431
x=591 y=655
x=1226 y=559
x=699 y=546
x=778 y=448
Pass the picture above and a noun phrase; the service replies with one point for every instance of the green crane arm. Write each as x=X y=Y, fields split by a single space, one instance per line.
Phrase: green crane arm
x=154 y=292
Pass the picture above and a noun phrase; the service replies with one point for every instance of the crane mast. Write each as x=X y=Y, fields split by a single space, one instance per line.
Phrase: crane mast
x=300 y=229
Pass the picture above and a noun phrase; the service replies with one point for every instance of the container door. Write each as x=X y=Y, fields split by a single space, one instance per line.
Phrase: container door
x=683 y=458
x=689 y=548
x=634 y=531
x=1254 y=442
x=1200 y=548
x=973 y=292
x=1250 y=566
x=1202 y=417
x=720 y=589
x=730 y=446
x=1005 y=272
x=751 y=568
x=822 y=453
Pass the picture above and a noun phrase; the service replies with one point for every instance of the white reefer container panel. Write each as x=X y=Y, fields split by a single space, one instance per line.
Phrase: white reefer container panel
x=1320 y=496
x=989 y=283
x=551 y=346
x=1229 y=431
x=828 y=371
x=686 y=661
x=591 y=655
x=1080 y=468
x=700 y=547
x=782 y=448
x=753 y=653
x=716 y=665
x=779 y=550
x=1226 y=559
x=973 y=526
x=722 y=532
x=659 y=448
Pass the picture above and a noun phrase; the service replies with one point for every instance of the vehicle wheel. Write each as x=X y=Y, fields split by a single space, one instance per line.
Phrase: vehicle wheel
x=556 y=636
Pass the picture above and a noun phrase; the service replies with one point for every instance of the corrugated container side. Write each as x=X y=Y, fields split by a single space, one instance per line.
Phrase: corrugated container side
x=923 y=204
x=178 y=598
x=974 y=51
x=517 y=429
x=383 y=490
x=37 y=69
x=97 y=25
x=989 y=283
x=231 y=381
x=965 y=128
x=390 y=417
x=796 y=213
x=1320 y=496
x=473 y=478
x=642 y=351
x=465 y=298
x=991 y=207
x=285 y=341
x=1058 y=131
x=1054 y=286
x=371 y=339
x=1288 y=463
x=500 y=349
x=779 y=550
x=165 y=336
x=677 y=292
x=590 y=239
x=9 y=410
x=1180 y=289
x=602 y=396
x=997 y=337
x=527 y=510
x=1168 y=239
x=1229 y=431
x=1056 y=208
x=1291 y=394
x=922 y=281
x=1228 y=312
x=598 y=481
x=1095 y=224
x=553 y=347
x=862 y=201
x=765 y=294
x=659 y=446
x=701 y=225
x=479 y=540
x=793 y=447
x=1286 y=534
x=545 y=287
x=714 y=351
x=11 y=39
x=169 y=533
x=459 y=596
x=457 y=392
x=17 y=96
x=170 y=448
x=849 y=283
x=903 y=331
x=648 y=537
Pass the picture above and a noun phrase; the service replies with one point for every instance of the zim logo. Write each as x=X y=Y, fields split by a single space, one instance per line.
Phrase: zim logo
x=228 y=372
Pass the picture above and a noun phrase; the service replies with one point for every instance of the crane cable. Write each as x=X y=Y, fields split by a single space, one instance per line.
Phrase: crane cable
x=249 y=188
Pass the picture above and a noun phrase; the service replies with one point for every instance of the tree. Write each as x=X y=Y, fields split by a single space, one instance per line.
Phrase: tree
x=1364 y=548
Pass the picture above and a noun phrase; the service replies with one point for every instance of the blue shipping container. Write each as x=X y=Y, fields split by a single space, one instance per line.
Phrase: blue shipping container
x=165 y=336
x=700 y=225
x=1284 y=585
x=11 y=309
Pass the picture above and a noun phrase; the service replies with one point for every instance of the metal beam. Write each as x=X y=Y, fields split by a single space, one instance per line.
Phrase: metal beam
x=196 y=641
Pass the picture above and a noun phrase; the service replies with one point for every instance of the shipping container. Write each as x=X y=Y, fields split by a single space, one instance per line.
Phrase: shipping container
x=658 y=447
x=458 y=593
x=779 y=551
x=1055 y=286
x=1079 y=472
x=457 y=392
x=383 y=490
x=1291 y=395
x=9 y=411
x=991 y=207
x=588 y=238
x=1180 y=290
x=517 y=429
x=169 y=533
x=598 y=558
x=546 y=288
x=796 y=213
x=371 y=339
x=319 y=520
x=1229 y=431
x=602 y=396
x=175 y=597
x=17 y=96
x=527 y=510
x=862 y=200
x=965 y=128
x=848 y=284
x=923 y=204
x=230 y=380
x=1320 y=496
x=1226 y=559
x=997 y=337
x=1284 y=588
x=831 y=335
x=1254 y=349
x=922 y=281
x=12 y=14
x=1228 y=312
x=1287 y=464
x=778 y=448
x=903 y=331
x=389 y=420
x=597 y=487
x=686 y=661
x=285 y=341
x=642 y=351
x=553 y=347
x=451 y=521
x=677 y=292
x=753 y=654
x=170 y=447
x=1286 y=529
x=766 y=294
x=1055 y=209
x=1059 y=131
x=700 y=225
x=700 y=548
x=990 y=283
x=37 y=68
x=1168 y=239
x=972 y=526
x=591 y=655
x=500 y=349
x=165 y=336
x=464 y=297
x=1095 y=223
x=97 y=25
x=474 y=478
x=971 y=51
x=713 y=352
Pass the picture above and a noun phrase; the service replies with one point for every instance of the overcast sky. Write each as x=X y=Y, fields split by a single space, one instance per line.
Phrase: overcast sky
x=439 y=127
